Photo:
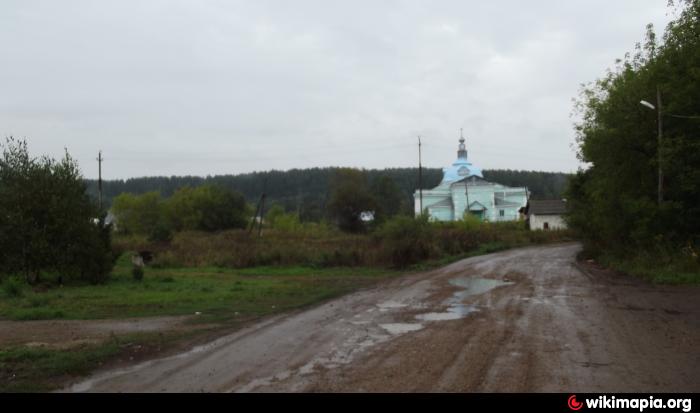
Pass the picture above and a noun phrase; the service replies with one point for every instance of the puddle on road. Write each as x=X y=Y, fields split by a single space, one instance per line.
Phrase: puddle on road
x=400 y=328
x=390 y=305
x=453 y=312
x=474 y=286
x=456 y=309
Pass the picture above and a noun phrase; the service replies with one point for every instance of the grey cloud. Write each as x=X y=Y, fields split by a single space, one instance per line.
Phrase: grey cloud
x=192 y=87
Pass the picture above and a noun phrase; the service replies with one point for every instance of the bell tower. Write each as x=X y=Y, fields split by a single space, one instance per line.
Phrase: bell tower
x=462 y=152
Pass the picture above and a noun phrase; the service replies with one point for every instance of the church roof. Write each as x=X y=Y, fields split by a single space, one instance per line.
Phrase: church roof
x=445 y=203
x=461 y=168
x=477 y=206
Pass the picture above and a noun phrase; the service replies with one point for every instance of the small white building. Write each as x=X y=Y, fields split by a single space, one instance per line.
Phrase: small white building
x=546 y=214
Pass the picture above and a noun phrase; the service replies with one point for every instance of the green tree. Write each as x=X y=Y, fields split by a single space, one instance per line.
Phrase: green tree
x=221 y=208
x=614 y=202
x=389 y=200
x=206 y=208
x=182 y=209
x=139 y=214
x=284 y=221
x=48 y=224
x=350 y=197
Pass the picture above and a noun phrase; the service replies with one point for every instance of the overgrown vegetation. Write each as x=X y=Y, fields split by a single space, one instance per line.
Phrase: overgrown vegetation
x=205 y=208
x=32 y=369
x=398 y=243
x=615 y=203
x=218 y=293
x=48 y=223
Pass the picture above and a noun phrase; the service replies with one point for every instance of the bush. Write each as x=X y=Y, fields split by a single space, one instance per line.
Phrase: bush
x=49 y=223
x=137 y=273
x=12 y=287
x=407 y=240
x=161 y=233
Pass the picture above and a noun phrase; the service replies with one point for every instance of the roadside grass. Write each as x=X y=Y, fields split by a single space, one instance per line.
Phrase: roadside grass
x=224 y=297
x=26 y=369
x=657 y=270
x=214 y=292
x=34 y=369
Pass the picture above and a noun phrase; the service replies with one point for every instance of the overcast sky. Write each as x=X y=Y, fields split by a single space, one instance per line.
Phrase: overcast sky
x=221 y=87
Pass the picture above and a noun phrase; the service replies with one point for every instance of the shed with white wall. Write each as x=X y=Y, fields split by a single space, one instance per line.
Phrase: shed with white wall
x=546 y=214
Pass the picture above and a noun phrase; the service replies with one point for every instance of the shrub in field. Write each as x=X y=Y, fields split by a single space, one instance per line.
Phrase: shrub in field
x=12 y=287
x=399 y=242
x=161 y=233
x=470 y=222
x=49 y=224
x=407 y=240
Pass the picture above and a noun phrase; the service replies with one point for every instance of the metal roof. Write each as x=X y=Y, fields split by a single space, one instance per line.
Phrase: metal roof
x=547 y=207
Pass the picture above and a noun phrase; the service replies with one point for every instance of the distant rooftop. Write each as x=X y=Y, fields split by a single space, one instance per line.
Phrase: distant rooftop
x=547 y=207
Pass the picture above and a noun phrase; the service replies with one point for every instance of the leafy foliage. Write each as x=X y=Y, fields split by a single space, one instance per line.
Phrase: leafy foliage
x=408 y=240
x=614 y=202
x=388 y=198
x=349 y=199
x=48 y=222
x=205 y=208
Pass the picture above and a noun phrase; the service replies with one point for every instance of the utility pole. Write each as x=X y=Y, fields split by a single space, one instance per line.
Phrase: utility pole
x=420 y=177
x=262 y=207
x=255 y=216
x=99 y=179
x=661 y=174
x=259 y=211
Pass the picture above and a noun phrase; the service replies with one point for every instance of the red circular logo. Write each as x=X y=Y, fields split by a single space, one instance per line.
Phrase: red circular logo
x=573 y=404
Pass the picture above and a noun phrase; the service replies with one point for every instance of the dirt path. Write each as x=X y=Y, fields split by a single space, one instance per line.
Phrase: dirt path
x=520 y=320
x=71 y=333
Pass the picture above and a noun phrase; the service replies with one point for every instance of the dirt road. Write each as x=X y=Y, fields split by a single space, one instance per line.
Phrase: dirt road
x=520 y=320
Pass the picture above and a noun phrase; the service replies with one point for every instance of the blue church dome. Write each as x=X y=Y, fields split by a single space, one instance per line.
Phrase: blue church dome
x=461 y=168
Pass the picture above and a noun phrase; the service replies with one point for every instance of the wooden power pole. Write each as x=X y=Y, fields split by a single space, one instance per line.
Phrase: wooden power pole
x=661 y=173
x=99 y=178
x=420 y=177
x=262 y=208
x=259 y=211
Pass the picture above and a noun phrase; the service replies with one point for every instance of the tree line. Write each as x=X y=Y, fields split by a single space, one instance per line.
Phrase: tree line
x=307 y=191
x=641 y=194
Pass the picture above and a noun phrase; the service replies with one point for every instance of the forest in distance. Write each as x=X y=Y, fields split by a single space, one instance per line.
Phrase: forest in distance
x=308 y=189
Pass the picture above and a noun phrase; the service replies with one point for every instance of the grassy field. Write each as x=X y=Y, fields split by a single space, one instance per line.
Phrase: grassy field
x=27 y=369
x=224 y=297
x=216 y=293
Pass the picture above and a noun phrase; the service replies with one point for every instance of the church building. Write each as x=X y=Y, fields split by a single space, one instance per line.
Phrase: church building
x=463 y=188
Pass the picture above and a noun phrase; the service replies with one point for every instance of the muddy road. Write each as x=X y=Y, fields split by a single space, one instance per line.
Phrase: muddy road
x=528 y=319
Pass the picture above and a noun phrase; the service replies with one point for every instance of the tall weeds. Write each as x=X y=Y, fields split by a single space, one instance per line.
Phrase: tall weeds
x=399 y=242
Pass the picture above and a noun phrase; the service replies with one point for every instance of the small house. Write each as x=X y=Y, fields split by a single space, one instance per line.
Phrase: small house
x=546 y=214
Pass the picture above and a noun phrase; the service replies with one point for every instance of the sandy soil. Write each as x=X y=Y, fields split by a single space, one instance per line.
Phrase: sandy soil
x=65 y=334
x=529 y=319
